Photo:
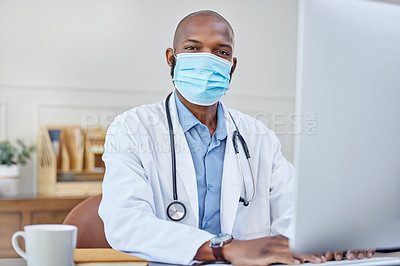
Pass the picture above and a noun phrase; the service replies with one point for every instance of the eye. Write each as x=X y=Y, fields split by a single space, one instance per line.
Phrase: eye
x=191 y=48
x=221 y=52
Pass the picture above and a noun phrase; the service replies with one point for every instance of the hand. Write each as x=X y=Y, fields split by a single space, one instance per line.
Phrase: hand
x=351 y=255
x=265 y=251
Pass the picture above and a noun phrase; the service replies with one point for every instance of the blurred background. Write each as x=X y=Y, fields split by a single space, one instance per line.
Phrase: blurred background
x=74 y=62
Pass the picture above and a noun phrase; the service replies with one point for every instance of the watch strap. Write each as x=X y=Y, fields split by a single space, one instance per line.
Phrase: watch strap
x=216 y=248
x=217 y=252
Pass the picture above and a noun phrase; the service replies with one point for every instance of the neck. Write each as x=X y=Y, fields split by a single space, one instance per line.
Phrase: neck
x=207 y=115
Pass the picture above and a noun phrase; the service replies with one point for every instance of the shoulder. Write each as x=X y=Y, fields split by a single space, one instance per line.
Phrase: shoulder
x=140 y=117
x=247 y=122
x=143 y=111
x=252 y=128
x=245 y=119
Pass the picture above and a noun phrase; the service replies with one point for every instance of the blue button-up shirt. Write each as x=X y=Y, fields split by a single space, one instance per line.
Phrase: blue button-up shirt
x=208 y=159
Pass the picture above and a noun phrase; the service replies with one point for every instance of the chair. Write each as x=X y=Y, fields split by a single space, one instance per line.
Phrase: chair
x=90 y=226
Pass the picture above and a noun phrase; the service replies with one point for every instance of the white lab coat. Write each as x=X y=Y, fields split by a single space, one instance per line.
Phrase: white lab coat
x=137 y=186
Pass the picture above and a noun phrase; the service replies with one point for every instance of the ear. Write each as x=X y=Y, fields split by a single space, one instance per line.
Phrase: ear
x=169 y=54
x=234 y=63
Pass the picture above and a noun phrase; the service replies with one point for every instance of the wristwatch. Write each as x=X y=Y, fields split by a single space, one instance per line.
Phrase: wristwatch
x=216 y=244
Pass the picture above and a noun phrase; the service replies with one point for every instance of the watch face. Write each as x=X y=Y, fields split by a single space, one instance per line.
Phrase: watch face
x=220 y=238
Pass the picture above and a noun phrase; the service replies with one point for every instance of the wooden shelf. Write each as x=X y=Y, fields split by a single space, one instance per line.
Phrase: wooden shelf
x=73 y=171
x=15 y=213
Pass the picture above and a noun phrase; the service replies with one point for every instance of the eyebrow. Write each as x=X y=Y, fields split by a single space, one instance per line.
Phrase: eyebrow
x=225 y=45
x=191 y=40
x=219 y=45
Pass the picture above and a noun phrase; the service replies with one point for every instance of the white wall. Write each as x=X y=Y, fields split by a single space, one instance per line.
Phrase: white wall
x=67 y=61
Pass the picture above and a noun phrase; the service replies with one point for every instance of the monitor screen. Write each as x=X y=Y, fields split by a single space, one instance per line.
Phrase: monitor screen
x=348 y=86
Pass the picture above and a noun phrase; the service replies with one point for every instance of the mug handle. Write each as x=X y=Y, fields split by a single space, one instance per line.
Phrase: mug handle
x=14 y=242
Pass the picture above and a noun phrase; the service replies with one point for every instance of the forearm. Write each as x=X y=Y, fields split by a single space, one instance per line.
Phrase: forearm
x=204 y=253
x=155 y=239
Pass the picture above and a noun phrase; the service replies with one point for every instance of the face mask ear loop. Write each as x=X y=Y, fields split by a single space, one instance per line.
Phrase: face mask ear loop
x=173 y=51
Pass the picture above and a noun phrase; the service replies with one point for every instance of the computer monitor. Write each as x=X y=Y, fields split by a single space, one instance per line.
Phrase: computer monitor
x=347 y=148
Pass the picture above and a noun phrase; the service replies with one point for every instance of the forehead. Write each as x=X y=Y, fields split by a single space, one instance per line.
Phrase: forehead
x=204 y=28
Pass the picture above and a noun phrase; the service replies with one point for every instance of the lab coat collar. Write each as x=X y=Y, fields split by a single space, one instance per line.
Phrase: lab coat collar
x=231 y=185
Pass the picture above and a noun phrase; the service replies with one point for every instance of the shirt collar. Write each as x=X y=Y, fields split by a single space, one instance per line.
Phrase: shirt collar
x=188 y=120
x=221 y=129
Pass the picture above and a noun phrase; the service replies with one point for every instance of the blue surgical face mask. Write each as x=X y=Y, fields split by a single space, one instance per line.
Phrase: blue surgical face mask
x=201 y=78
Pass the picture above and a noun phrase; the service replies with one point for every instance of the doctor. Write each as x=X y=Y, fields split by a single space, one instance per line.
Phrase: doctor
x=175 y=188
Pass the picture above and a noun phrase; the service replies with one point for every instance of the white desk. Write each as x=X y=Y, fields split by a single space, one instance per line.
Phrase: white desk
x=21 y=262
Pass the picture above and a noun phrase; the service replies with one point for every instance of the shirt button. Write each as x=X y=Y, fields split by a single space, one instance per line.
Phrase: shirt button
x=205 y=225
x=209 y=187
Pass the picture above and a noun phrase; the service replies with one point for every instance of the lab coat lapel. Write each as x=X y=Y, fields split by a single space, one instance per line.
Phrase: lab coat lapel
x=231 y=180
x=184 y=162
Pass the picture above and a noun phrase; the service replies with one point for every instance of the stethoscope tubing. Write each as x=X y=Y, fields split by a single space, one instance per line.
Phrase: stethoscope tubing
x=236 y=135
x=172 y=144
x=172 y=208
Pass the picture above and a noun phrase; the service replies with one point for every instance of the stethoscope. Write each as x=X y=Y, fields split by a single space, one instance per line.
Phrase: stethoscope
x=176 y=210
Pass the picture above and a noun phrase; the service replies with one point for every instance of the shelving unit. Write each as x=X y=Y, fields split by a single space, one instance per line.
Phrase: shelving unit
x=77 y=169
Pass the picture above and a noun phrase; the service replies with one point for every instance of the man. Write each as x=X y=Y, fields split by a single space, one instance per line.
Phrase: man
x=210 y=177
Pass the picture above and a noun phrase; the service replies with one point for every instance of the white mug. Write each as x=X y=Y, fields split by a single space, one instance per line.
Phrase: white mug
x=47 y=244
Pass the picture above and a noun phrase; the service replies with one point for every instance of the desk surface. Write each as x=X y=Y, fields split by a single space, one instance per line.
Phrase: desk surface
x=21 y=262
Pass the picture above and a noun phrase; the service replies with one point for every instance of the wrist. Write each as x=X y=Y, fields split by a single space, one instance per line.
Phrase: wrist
x=229 y=250
x=204 y=253
x=217 y=243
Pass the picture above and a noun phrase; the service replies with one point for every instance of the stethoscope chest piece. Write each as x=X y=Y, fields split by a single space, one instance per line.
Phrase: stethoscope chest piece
x=176 y=211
